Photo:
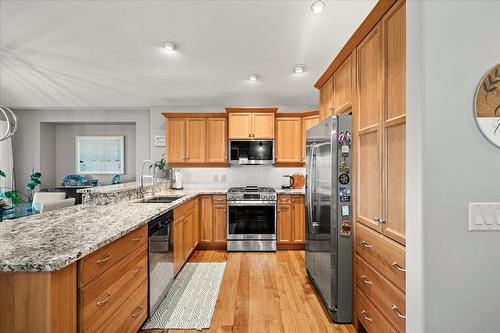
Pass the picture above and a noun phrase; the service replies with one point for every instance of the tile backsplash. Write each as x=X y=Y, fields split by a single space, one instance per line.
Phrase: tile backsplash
x=237 y=175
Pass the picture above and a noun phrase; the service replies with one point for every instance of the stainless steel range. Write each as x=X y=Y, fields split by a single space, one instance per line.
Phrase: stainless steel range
x=251 y=219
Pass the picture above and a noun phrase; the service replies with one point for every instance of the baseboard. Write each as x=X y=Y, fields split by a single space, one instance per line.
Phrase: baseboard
x=297 y=246
x=211 y=246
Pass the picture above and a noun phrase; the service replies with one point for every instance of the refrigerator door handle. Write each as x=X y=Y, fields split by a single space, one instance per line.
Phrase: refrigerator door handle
x=310 y=196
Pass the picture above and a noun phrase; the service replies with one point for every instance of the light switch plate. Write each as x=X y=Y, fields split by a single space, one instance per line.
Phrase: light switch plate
x=484 y=216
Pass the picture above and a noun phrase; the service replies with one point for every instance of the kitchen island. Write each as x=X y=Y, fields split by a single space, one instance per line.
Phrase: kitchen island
x=43 y=285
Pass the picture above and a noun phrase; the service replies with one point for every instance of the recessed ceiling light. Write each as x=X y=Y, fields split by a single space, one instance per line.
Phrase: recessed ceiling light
x=299 y=69
x=253 y=77
x=317 y=6
x=169 y=46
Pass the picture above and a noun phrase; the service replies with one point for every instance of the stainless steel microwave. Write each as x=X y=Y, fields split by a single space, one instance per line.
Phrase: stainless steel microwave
x=251 y=152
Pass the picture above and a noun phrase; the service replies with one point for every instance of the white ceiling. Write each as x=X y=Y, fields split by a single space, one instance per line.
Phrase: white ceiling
x=108 y=53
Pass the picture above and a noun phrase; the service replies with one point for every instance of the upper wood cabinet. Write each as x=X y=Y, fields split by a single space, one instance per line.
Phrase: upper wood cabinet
x=342 y=87
x=288 y=146
x=176 y=140
x=217 y=140
x=196 y=136
x=251 y=123
x=307 y=123
x=196 y=139
x=326 y=99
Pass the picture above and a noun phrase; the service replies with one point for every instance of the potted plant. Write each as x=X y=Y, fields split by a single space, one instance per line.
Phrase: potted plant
x=161 y=165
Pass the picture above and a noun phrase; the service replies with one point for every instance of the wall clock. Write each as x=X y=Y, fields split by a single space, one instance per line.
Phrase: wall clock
x=487 y=105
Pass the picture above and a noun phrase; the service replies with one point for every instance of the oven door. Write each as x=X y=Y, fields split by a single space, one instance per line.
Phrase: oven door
x=251 y=220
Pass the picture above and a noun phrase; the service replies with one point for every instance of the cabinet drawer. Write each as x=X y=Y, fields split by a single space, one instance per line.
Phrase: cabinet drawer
x=131 y=314
x=99 y=299
x=383 y=294
x=373 y=321
x=96 y=263
x=183 y=209
x=383 y=254
x=219 y=199
x=285 y=199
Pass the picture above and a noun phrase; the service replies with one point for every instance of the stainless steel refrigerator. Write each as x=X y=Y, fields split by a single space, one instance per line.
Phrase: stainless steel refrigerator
x=329 y=214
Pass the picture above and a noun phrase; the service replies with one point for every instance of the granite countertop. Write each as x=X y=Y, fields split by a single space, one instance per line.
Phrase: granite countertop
x=53 y=240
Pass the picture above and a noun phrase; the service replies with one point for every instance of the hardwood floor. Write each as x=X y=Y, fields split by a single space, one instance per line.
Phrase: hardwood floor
x=266 y=292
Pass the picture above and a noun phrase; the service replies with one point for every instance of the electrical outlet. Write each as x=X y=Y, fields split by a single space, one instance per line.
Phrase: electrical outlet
x=216 y=178
x=484 y=216
x=223 y=178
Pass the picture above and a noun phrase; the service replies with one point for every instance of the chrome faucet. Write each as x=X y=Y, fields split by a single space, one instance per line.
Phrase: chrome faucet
x=152 y=176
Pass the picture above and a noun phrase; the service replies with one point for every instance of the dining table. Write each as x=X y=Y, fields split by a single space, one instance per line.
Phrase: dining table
x=19 y=210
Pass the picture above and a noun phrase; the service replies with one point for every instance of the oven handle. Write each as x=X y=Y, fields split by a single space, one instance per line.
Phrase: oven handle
x=251 y=203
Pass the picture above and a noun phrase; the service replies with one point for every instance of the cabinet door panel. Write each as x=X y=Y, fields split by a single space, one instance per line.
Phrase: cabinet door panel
x=176 y=144
x=206 y=219
x=342 y=87
x=188 y=235
x=263 y=125
x=288 y=140
x=326 y=99
x=369 y=158
x=395 y=125
x=220 y=223
x=284 y=224
x=298 y=218
x=178 y=245
x=369 y=57
x=240 y=125
x=196 y=140
x=217 y=140
x=307 y=123
x=369 y=180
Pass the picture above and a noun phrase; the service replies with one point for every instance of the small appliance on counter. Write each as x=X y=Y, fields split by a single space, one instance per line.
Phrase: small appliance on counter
x=298 y=180
x=176 y=179
x=288 y=182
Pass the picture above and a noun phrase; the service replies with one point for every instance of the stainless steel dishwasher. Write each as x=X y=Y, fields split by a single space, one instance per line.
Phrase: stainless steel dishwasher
x=161 y=259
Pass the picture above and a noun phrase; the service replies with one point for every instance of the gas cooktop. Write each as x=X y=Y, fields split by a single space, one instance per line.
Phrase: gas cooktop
x=251 y=189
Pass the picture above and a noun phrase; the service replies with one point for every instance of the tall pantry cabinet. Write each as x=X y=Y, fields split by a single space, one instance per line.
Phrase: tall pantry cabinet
x=380 y=134
x=376 y=55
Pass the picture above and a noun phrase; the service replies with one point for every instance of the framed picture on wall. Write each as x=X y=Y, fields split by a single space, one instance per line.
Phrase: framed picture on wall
x=100 y=155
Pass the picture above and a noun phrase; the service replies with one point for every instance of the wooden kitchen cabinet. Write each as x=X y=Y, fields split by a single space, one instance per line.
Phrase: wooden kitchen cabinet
x=196 y=139
x=291 y=222
x=176 y=140
x=217 y=140
x=342 y=87
x=369 y=170
x=206 y=219
x=326 y=99
x=251 y=123
x=288 y=148
x=307 y=122
x=220 y=224
x=184 y=232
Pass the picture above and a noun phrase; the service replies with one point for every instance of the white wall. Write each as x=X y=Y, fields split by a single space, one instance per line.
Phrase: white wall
x=48 y=156
x=27 y=146
x=459 y=42
x=66 y=152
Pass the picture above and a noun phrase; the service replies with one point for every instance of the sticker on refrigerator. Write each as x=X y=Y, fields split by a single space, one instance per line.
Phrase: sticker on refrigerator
x=341 y=138
x=347 y=137
x=345 y=194
x=343 y=166
x=345 y=210
x=345 y=149
x=344 y=179
x=345 y=229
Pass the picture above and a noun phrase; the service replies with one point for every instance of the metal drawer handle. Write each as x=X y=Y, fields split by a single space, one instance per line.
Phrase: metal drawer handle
x=137 y=239
x=106 y=258
x=399 y=268
x=365 y=279
x=108 y=296
x=365 y=244
x=365 y=315
x=137 y=270
x=136 y=313
x=397 y=312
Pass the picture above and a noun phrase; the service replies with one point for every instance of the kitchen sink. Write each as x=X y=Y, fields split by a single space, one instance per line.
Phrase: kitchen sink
x=162 y=199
